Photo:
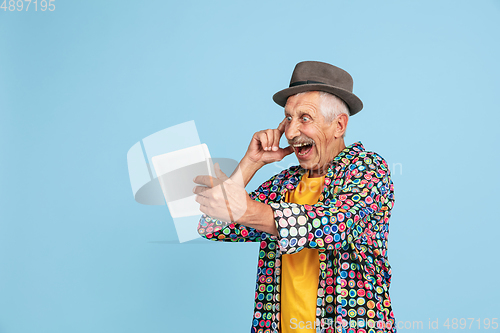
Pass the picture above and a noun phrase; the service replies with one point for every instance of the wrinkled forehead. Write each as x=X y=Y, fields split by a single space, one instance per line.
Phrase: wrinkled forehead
x=303 y=102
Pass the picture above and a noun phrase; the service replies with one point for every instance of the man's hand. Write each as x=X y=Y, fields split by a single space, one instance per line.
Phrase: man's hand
x=264 y=147
x=222 y=198
x=225 y=199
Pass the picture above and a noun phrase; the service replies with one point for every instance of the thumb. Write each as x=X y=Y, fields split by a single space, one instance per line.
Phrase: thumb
x=221 y=175
x=287 y=151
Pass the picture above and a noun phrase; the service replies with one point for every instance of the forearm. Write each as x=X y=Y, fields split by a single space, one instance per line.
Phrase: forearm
x=245 y=170
x=259 y=216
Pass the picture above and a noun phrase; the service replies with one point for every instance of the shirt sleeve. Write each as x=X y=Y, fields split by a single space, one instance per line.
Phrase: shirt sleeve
x=363 y=198
x=214 y=229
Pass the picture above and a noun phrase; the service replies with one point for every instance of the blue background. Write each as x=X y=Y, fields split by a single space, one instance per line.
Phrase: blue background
x=80 y=85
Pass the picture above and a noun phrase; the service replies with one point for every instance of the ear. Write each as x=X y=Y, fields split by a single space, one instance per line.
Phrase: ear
x=341 y=125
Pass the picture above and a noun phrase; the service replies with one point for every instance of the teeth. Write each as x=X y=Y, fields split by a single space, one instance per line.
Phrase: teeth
x=303 y=144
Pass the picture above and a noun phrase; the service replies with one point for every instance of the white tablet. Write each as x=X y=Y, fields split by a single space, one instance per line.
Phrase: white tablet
x=175 y=172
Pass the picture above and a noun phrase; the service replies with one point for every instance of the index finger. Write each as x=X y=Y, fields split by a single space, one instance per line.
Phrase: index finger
x=281 y=126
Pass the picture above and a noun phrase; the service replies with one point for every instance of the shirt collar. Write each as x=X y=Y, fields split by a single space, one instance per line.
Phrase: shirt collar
x=349 y=150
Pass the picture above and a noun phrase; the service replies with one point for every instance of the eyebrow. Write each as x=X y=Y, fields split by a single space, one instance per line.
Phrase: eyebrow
x=301 y=113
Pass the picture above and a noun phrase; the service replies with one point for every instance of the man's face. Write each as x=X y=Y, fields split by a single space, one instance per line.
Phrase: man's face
x=311 y=136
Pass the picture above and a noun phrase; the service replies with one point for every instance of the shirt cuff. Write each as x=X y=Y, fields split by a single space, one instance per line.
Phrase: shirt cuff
x=291 y=223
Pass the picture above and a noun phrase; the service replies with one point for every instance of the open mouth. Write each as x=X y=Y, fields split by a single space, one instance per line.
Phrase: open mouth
x=302 y=149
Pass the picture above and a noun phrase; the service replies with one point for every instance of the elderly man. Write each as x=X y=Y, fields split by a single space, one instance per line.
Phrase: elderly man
x=322 y=225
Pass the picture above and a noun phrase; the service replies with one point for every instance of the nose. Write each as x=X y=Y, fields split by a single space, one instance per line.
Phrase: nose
x=292 y=129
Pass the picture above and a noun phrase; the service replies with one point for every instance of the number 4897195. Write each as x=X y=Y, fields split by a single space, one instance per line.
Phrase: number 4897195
x=19 y=5
x=475 y=323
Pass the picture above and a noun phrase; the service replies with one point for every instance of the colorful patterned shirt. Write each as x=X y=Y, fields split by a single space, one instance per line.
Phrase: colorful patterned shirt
x=349 y=225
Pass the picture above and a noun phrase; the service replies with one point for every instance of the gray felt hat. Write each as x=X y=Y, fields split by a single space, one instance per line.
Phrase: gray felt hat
x=320 y=76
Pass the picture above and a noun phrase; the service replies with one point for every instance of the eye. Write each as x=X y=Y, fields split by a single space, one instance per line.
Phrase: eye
x=289 y=118
x=306 y=118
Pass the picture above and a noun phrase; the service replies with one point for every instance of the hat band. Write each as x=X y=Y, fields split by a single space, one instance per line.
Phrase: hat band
x=299 y=83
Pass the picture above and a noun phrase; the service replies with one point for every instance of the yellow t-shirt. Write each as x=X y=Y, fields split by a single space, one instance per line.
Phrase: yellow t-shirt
x=300 y=271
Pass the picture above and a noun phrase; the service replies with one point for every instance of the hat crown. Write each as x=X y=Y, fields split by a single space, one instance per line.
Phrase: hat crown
x=321 y=72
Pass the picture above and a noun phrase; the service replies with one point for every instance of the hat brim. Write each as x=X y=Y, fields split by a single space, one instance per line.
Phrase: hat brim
x=353 y=102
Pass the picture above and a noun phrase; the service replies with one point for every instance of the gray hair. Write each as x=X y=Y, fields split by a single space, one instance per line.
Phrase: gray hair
x=332 y=106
